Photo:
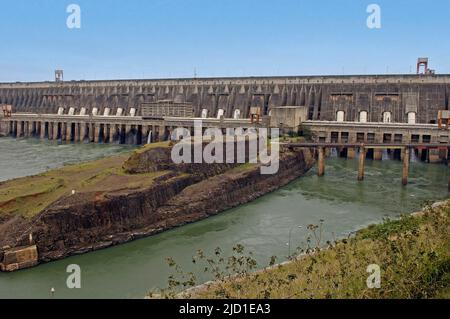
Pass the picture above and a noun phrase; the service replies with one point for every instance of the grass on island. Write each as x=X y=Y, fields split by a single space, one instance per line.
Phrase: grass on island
x=413 y=254
x=29 y=196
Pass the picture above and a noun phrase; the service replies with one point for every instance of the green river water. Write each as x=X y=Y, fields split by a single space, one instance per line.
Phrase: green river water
x=262 y=226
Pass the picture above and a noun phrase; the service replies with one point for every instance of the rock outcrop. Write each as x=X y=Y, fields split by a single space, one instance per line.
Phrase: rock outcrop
x=88 y=221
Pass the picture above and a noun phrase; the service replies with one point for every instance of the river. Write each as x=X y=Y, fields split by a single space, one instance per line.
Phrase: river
x=262 y=226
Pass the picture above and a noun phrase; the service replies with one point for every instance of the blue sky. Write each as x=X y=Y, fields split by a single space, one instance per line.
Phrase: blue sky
x=172 y=38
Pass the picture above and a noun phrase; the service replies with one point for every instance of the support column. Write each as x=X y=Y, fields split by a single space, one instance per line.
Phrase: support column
x=377 y=154
x=76 y=136
x=96 y=131
x=127 y=132
x=55 y=131
x=351 y=153
x=42 y=135
x=362 y=159
x=112 y=131
x=82 y=131
x=91 y=132
x=30 y=129
x=19 y=129
x=68 y=132
x=321 y=162
x=405 y=171
x=161 y=132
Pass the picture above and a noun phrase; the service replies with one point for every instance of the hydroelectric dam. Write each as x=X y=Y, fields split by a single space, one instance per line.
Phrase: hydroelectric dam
x=382 y=109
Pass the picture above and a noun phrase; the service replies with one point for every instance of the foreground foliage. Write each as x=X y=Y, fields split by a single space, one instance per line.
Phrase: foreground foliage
x=413 y=254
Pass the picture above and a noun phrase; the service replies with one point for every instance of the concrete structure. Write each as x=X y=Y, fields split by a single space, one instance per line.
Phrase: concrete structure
x=108 y=129
x=324 y=96
x=290 y=117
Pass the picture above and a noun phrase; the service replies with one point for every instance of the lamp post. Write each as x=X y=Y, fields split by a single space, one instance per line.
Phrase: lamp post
x=290 y=237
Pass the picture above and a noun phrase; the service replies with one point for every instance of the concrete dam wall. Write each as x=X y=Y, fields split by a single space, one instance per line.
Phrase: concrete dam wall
x=393 y=98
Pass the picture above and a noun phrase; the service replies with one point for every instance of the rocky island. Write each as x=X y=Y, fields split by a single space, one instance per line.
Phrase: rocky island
x=94 y=205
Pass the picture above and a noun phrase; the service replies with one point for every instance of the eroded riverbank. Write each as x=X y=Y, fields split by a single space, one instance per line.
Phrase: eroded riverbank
x=95 y=205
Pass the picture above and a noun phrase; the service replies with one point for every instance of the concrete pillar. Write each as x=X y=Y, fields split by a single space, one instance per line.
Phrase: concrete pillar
x=19 y=128
x=63 y=131
x=68 y=132
x=50 y=130
x=91 y=132
x=112 y=132
x=377 y=154
x=362 y=159
x=405 y=170
x=351 y=153
x=30 y=129
x=321 y=162
x=96 y=132
x=162 y=133
x=42 y=135
x=55 y=131
x=76 y=136
x=82 y=131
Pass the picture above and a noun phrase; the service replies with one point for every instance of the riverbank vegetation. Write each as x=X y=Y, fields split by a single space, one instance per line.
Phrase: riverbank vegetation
x=413 y=254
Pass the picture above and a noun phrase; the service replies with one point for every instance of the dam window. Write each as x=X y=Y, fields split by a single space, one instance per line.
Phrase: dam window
x=398 y=138
x=371 y=137
x=360 y=137
x=387 y=138
x=387 y=116
x=344 y=137
x=322 y=139
x=363 y=116
x=334 y=137
x=415 y=138
x=426 y=139
x=340 y=116
x=411 y=118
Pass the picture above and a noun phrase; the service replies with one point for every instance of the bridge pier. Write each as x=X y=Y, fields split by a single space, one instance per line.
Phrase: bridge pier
x=405 y=170
x=362 y=159
x=321 y=162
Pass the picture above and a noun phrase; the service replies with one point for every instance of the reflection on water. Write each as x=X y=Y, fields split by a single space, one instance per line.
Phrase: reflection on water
x=130 y=270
